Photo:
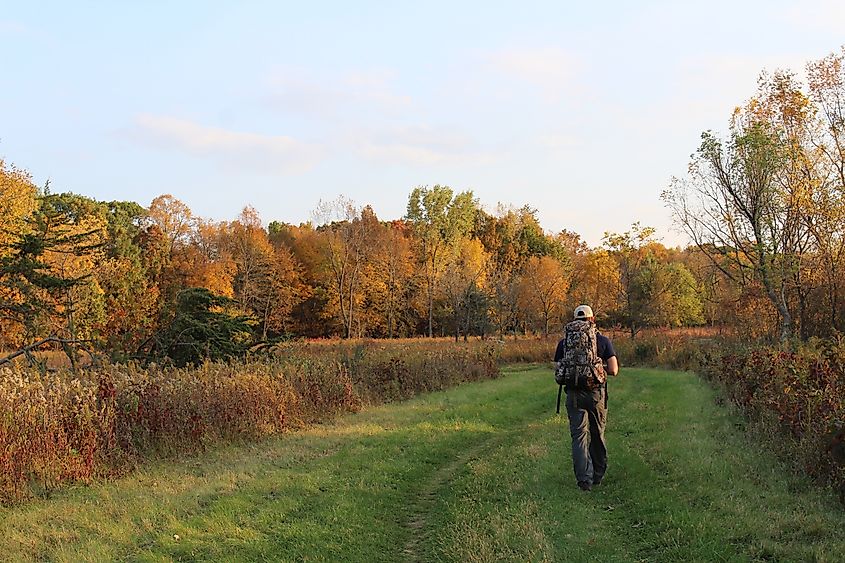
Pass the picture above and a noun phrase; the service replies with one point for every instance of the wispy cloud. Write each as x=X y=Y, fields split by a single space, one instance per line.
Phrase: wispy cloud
x=298 y=90
x=12 y=27
x=553 y=70
x=420 y=145
x=264 y=153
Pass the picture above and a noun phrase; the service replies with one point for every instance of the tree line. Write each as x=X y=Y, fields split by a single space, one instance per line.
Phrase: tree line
x=764 y=207
x=159 y=282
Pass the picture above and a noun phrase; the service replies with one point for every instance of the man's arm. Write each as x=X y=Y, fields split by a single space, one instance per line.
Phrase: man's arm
x=608 y=354
x=560 y=352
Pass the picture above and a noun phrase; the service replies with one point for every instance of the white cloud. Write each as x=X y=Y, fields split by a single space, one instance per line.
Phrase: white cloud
x=551 y=69
x=443 y=140
x=419 y=145
x=297 y=90
x=235 y=149
x=375 y=87
x=11 y=27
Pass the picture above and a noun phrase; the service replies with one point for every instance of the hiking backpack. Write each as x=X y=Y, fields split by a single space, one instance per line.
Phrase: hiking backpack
x=581 y=368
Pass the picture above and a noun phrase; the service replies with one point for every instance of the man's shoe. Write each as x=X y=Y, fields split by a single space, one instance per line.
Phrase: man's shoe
x=584 y=486
x=596 y=482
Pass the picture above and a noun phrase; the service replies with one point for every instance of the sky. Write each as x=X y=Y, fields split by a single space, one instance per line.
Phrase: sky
x=583 y=111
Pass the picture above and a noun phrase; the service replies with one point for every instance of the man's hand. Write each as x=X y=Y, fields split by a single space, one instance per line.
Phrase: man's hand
x=558 y=374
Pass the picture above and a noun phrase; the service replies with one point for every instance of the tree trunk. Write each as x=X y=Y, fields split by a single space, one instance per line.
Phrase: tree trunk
x=430 y=310
x=266 y=317
x=71 y=327
x=834 y=302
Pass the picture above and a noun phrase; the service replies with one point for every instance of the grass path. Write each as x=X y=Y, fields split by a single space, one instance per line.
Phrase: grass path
x=478 y=473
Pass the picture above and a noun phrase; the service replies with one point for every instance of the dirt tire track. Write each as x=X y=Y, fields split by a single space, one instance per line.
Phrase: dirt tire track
x=418 y=522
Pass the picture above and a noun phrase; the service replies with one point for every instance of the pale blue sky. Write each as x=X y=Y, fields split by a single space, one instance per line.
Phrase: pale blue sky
x=581 y=110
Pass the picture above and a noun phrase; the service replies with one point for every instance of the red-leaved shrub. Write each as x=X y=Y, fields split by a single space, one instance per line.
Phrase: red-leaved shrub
x=794 y=399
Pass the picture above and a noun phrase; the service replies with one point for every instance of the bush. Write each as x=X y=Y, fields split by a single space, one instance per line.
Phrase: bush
x=672 y=350
x=794 y=399
x=65 y=427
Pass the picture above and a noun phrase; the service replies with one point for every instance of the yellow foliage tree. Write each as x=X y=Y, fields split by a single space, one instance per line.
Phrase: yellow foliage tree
x=543 y=288
x=463 y=274
x=17 y=201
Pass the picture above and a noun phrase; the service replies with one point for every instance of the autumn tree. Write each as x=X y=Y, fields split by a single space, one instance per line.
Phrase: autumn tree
x=253 y=257
x=207 y=261
x=287 y=291
x=596 y=281
x=168 y=228
x=345 y=232
x=305 y=243
x=173 y=218
x=641 y=284
x=388 y=279
x=826 y=84
x=734 y=210
x=49 y=271
x=543 y=288
x=129 y=297
x=17 y=202
x=439 y=219
x=461 y=284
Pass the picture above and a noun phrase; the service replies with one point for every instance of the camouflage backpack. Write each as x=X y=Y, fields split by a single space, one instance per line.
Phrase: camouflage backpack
x=581 y=367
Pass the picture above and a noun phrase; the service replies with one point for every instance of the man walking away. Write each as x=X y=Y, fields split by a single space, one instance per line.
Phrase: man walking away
x=583 y=359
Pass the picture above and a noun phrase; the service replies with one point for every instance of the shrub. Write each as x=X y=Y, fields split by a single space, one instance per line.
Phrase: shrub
x=64 y=427
x=794 y=399
x=677 y=350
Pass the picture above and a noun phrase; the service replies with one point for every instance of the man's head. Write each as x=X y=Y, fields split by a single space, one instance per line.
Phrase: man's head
x=584 y=313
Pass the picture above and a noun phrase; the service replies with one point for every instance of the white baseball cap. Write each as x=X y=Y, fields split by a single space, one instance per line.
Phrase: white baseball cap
x=583 y=312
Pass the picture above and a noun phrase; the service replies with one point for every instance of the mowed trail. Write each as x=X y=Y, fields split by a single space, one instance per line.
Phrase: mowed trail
x=477 y=473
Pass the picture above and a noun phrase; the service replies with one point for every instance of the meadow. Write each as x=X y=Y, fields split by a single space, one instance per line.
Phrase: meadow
x=479 y=472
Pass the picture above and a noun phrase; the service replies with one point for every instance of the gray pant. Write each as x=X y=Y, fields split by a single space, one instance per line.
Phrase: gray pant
x=587 y=412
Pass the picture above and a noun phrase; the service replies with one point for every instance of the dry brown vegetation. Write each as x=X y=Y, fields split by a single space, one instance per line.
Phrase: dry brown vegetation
x=67 y=426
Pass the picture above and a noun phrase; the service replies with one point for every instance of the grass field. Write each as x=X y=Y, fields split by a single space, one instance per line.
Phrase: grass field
x=476 y=473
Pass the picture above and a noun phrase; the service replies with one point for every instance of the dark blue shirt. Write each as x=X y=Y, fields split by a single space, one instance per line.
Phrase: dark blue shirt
x=604 y=348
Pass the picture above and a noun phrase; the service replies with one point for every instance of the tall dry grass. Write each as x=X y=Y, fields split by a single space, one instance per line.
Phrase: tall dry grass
x=63 y=427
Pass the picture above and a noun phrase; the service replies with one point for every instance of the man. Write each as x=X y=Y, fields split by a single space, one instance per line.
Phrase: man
x=586 y=404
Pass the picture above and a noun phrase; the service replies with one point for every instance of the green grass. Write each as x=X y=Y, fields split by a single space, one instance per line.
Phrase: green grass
x=477 y=473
